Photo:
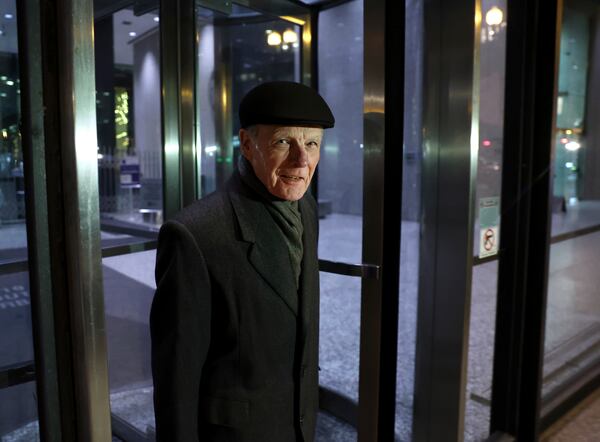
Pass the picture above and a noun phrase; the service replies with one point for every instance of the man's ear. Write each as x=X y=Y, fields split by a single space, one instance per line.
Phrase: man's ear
x=246 y=144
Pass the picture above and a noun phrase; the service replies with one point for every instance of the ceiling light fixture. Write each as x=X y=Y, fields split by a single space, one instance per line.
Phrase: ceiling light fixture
x=494 y=16
x=289 y=36
x=274 y=39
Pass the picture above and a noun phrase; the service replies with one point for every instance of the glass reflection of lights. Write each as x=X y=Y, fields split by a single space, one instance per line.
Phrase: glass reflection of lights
x=494 y=16
x=283 y=40
x=487 y=143
x=494 y=23
x=121 y=119
x=564 y=140
x=572 y=146
x=290 y=36
x=156 y=19
x=274 y=38
x=133 y=34
x=569 y=165
x=210 y=150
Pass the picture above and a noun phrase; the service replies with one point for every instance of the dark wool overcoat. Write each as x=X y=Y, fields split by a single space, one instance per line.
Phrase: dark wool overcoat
x=234 y=344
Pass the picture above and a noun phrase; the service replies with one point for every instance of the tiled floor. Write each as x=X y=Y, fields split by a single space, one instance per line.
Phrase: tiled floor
x=573 y=319
x=580 y=425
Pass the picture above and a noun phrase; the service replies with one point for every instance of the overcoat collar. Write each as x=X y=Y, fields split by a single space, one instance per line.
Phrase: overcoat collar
x=268 y=252
x=309 y=278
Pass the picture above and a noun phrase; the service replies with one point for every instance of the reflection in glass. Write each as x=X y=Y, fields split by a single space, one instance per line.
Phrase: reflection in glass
x=18 y=413
x=236 y=52
x=340 y=171
x=339 y=340
x=128 y=290
x=340 y=195
x=18 y=407
x=573 y=311
x=128 y=120
x=13 y=240
x=492 y=64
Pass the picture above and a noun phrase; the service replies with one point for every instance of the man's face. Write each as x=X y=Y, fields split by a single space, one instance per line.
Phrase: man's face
x=284 y=158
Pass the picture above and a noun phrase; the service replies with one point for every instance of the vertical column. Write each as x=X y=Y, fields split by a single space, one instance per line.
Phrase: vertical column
x=54 y=399
x=178 y=76
x=531 y=54
x=448 y=179
x=187 y=77
x=383 y=123
x=67 y=297
x=223 y=105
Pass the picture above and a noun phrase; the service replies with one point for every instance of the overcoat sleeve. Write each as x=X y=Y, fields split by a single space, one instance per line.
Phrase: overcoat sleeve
x=180 y=332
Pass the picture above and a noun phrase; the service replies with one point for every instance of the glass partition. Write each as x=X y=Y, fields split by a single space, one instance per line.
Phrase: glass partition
x=18 y=407
x=491 y=69
x=128 y=291
x=128 y=112
x=236 y=52
x=573 y=311
x=340 y=196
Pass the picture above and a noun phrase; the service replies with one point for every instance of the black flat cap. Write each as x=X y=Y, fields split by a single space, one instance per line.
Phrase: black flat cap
x=284 y=102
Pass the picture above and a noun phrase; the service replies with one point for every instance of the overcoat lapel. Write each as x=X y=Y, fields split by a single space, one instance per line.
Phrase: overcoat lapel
x=268 y=252
x=309 y=278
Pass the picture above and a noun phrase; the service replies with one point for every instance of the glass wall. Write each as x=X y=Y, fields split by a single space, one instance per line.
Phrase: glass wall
x=411 y=211
x=491 y=66
x=128 y=291
x=236 y=52
x=340 y=195
x=128 y=110
x=18 y=405
x=573 y=312
x=129 y=124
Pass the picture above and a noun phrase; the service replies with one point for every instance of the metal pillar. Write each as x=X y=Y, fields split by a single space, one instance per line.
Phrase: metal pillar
x=531 y=54
x=383 y=123
x=448 y=184
x=63 y=220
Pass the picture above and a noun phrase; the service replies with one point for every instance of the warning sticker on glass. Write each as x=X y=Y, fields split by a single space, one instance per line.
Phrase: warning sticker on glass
x=489 y=226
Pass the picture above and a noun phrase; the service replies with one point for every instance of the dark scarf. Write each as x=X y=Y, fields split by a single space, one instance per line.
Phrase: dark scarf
x=285 y=214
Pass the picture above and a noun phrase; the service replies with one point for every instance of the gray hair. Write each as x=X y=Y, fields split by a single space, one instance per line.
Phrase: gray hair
x=253 y=131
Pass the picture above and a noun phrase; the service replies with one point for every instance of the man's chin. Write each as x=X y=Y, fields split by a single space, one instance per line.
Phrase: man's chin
x=288 y=194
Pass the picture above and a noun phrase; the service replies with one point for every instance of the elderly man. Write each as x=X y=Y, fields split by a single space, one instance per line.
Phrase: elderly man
x=235 y=317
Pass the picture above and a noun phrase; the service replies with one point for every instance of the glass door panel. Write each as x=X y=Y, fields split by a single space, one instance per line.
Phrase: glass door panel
x=340 y=195
x=491 y=67
x=573 y=311
x=236 y=52
x=128 y=116
x=128 y=111
x=18 y=406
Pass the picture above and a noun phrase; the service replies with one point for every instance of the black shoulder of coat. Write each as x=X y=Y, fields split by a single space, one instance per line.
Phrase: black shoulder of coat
x=212 y=218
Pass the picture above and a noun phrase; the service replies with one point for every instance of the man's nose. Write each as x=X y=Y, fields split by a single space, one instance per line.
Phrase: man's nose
x=300 y=156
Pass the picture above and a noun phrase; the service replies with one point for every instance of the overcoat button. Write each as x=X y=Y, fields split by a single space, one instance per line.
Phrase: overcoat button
x=301 y=419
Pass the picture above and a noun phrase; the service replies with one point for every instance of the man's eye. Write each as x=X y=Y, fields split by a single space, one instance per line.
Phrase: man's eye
x=282 y=141
x=312 y=144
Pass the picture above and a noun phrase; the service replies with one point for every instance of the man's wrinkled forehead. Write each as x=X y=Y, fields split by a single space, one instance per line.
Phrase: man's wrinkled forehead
x=315 y=132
